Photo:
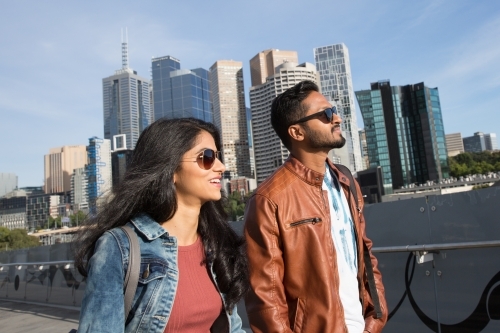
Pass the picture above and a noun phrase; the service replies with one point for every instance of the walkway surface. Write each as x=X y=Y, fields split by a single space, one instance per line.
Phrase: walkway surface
x=16 y=317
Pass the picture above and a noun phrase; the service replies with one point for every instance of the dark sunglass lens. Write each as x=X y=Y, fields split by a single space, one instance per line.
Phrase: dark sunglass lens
x=329 y=114
x=208 y=159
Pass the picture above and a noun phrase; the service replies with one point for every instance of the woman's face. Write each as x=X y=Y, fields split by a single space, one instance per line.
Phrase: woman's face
x=195 y=185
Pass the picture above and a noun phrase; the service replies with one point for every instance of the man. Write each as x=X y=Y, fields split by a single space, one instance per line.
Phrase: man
x=305 y=236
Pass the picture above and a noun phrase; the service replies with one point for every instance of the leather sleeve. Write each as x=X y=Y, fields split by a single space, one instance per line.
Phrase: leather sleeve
x=266 y=304
x=372 y=324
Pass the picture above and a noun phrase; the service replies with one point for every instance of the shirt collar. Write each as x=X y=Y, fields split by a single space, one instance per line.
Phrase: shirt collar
x=147 y=226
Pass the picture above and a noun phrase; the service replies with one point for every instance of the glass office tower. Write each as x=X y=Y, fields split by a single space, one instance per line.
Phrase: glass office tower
x=404 y=133
x=179 y=93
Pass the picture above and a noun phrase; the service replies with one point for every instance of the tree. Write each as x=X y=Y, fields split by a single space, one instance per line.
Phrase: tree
x=77 y=219
x=16 y=239
x=236 y=205
x=54 y=222
x=474 y=163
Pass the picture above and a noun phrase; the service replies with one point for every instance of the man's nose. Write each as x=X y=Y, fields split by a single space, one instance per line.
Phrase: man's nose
x=336 y=119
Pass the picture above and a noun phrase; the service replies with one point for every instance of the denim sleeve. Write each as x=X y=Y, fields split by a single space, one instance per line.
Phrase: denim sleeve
x=102 y=307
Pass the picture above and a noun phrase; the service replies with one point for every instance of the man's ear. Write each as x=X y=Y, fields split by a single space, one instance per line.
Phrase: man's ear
x=296 y=132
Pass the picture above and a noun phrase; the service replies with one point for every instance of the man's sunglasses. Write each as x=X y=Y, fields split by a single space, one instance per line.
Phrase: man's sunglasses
x=328 y=113
x=206 y=158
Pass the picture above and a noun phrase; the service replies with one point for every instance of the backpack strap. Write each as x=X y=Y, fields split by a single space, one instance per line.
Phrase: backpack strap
x=368 y=261
x=134 y=264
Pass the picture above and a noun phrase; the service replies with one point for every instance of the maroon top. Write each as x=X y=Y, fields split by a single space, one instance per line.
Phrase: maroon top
x=197 y=302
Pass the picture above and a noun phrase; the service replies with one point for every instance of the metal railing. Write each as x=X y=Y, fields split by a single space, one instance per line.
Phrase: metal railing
x=436 y=247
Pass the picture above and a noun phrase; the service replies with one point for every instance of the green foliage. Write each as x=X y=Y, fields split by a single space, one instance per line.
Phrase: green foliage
x=54 y=223
x=474 y=163
x=236 y=205
x=478 y=187
x=16 y=239
x=77 y=218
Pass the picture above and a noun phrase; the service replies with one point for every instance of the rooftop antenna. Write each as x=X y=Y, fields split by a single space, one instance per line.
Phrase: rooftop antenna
x=125 y=50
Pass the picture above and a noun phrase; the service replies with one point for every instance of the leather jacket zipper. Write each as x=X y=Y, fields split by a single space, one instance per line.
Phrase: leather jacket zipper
x=313 y=220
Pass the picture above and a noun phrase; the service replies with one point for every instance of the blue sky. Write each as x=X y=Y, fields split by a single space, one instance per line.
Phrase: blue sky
x=54 y=54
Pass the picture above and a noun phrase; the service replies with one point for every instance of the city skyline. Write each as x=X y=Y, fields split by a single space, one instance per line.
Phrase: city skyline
x=56 y=54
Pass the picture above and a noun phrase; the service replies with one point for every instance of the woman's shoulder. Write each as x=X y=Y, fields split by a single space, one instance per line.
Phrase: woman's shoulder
x=111 y=241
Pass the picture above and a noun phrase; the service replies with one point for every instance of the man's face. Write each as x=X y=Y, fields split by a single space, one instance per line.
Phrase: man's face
x=320 y=133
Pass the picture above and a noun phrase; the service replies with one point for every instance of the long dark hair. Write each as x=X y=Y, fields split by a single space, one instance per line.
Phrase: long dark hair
x=147 y=187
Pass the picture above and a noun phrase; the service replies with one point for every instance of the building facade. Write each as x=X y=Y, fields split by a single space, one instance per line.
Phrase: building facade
x=79 y=190
x=269 y=151
x=228 y=103
x=263 y=64
x=98 y=171
x=490 y=141
x=39 y=208
x=119 y=163
x=404 y=133
x=13 y=212
x=180 y=93
x=364 y=149
x=126 y=103
x=8 y=182
x=475 y=143
x=59 y=164
x=454 y=144
x=334 y=69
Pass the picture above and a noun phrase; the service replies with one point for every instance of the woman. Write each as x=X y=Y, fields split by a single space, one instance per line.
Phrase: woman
x=192 y=270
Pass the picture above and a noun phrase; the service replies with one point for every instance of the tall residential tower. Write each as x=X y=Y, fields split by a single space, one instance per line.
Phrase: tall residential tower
x=228 y=102
x=334 y=69
x=269 y=151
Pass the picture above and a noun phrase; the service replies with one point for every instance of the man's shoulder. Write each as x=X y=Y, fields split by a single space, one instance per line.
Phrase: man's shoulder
x=274 y=185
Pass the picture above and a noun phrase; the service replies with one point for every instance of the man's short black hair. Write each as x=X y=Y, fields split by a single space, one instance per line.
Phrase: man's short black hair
x=287 y=108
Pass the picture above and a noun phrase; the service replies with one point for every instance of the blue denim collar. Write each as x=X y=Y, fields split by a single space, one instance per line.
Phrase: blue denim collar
x=147 y=226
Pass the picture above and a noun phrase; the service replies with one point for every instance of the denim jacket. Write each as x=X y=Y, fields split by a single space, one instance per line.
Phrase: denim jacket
x=103 y=303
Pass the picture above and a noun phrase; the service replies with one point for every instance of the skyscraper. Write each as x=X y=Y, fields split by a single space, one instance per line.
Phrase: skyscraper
x=334 y=68
x=179 y=93
x=59 y=164
x=263 y=64
x=404 y=133
x=228 y=102
x=126 y=102
x=98 y=170
x=269 y=151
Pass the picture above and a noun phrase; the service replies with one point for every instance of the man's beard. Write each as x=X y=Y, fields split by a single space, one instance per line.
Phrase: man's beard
x=318 y=140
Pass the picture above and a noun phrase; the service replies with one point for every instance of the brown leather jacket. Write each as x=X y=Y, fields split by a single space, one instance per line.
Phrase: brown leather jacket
x=293 y=267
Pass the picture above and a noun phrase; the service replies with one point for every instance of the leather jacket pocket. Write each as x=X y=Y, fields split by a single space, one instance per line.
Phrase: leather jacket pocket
x=299 y=316
x=311 y=220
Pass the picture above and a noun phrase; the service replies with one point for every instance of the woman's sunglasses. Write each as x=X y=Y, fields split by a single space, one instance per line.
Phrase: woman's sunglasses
x=206 y=158
x=328 y=113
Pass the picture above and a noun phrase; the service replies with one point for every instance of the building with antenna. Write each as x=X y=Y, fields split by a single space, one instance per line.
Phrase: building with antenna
x=126 y=102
